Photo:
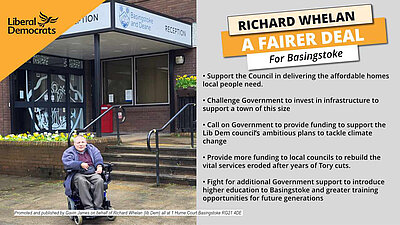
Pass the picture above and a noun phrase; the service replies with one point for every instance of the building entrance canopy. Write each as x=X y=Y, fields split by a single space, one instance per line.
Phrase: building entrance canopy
x=118 y=30
x=125 y=30
x=112 y=45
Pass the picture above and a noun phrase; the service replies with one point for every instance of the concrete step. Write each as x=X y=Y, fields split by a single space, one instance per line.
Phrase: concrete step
x=151 y=168
x=151 y=177
x=175 y=150
x=150 y=158
x=165 y=140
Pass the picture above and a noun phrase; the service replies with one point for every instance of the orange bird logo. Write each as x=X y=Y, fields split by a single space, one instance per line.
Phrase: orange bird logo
x=46 y=19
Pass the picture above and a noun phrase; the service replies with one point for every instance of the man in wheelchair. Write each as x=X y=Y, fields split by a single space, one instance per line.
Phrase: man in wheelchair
x=84 y=165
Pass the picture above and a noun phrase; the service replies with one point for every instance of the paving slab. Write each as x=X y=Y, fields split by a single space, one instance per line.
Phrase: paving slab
x=30 y=193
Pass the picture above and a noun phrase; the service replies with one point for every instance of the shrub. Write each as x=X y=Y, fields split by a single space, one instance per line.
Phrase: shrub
x=46 y=136
x=185 y=81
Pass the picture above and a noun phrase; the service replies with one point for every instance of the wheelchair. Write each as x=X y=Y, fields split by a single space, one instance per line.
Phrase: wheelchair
x=74 y=202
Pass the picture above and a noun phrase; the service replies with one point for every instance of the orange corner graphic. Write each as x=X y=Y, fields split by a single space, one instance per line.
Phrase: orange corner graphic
x=29 y=26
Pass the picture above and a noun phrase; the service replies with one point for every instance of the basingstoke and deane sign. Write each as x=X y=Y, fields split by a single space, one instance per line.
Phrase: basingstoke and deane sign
x=134 y=20
x=139 y=21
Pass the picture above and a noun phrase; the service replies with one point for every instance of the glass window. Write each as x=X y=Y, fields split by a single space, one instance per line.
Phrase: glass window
x=76 y=118
x=76 y=88
x=117 y=81
x=40 y=87
x=58 y=119
x=57 y=87
x=151 y=79
x=22 y=91
x=41 y=119
x=22 y=120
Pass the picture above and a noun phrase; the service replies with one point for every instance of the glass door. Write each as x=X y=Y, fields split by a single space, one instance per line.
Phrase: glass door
x=47 y=98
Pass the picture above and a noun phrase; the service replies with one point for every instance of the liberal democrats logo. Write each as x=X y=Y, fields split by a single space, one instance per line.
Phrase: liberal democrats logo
x=124 y=16
x=46 y=19
x=32 y=25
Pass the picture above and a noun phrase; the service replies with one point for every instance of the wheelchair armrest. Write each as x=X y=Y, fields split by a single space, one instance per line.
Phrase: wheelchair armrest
x=106 y=174
x=108 y=167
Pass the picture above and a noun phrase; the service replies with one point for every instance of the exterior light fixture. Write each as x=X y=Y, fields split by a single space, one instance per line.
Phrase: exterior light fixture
x=179 y=60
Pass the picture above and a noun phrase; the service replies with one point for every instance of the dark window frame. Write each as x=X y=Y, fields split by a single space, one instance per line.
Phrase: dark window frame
x=134 y=80
x=168 y=80
x=103 y=92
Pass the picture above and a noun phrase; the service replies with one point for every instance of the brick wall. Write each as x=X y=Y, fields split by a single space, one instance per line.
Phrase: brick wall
x=32 y=160
x=38 y=159
x=143 y=119
x=5 y=112
x=181 y=9
x=189 y=67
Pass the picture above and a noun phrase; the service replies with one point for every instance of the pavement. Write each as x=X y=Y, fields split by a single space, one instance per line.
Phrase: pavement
x=30 y=193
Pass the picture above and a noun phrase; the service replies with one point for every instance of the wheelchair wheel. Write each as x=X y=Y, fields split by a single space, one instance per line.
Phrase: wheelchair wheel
x=78 y=220
x=111 y=218
x=71 y=206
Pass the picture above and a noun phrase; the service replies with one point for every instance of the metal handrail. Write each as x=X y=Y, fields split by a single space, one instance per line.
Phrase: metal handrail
x=156 y=131
x=99 y=117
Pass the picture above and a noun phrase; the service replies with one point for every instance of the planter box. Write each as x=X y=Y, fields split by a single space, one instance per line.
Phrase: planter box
x=39 y=159
x=186 y=92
